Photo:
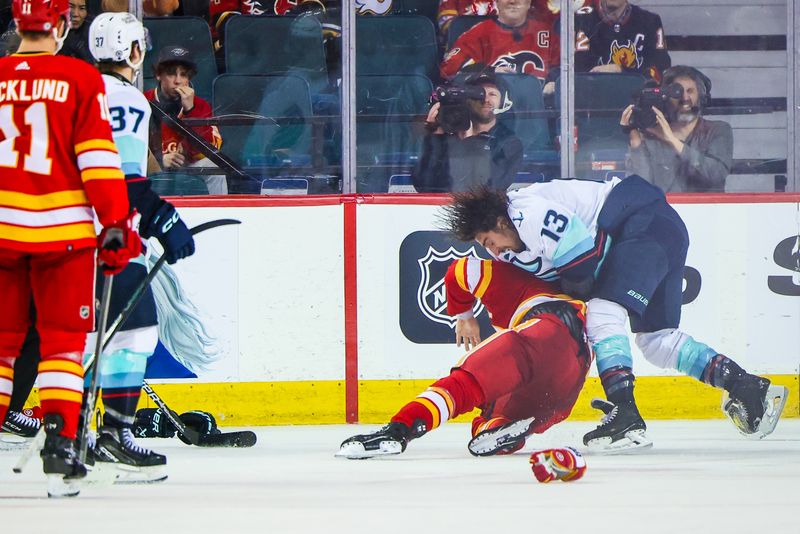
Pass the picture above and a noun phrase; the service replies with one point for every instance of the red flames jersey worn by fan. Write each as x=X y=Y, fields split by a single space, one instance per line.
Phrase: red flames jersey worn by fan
x=508 y=292
x=529 y=49
x=57 y=156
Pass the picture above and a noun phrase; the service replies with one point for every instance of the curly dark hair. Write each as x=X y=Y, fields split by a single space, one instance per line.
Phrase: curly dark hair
x=473 y=211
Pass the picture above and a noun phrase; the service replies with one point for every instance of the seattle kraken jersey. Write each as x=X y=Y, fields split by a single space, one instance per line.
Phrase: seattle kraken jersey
x=130 y=122
x=557 y=221
x=635 y=42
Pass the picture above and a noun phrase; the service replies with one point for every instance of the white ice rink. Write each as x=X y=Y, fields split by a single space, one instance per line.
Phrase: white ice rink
x=700 y=477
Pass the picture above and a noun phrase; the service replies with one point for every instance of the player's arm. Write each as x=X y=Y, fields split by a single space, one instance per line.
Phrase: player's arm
x=466 y=280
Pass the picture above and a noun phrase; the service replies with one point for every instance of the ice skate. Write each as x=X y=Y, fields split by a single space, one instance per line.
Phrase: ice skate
x=754 y=405
x=499 y=436
x=391 y=439
x=621 y=431
x=20 y=424
x=60 y=460
x=135 y=463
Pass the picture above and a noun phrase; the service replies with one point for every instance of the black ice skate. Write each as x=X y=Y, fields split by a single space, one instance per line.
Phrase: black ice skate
x=622 y=429
x=391 y=439
x=135 y=463
x=504 y=439
x=754 y=405
x=60 y=460
x=19 y=424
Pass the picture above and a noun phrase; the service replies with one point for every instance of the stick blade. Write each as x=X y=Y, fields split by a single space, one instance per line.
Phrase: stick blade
x=242 y=439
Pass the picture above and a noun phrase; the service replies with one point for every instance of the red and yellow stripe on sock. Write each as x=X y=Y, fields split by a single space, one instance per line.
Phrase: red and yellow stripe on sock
x=61 y=388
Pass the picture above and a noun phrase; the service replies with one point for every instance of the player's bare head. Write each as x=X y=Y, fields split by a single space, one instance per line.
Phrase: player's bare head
x=513 y=12
x=475 y=211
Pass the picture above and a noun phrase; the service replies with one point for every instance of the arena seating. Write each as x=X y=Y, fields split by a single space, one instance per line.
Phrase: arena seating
x=282 y=140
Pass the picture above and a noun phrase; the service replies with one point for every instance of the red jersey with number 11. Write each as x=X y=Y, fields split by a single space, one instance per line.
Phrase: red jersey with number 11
x=57 y=157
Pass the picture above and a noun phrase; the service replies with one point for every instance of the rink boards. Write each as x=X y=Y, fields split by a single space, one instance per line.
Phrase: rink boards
x=330 y=309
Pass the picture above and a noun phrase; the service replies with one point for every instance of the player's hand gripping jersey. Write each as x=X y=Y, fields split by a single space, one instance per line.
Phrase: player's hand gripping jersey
x=57 y=157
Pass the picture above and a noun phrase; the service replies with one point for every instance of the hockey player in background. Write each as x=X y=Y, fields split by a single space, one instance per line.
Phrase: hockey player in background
x=117 y=42
x=620 y=246
x=616 y=36
x=59 y=163
x=525 y=378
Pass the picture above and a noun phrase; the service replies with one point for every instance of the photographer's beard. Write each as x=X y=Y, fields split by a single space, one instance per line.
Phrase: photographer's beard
x=482 y=115
x=684 y=112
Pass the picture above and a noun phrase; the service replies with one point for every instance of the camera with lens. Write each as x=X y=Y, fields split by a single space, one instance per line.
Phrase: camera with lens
x=643 y=116
x=454 y=110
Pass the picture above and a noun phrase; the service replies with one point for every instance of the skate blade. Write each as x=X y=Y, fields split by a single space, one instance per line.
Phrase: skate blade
x=490 y=441
x=129 y=474
x=635 y=441
x=354 y=450
x=101 y=475
x=60 y=487
x=773 y=408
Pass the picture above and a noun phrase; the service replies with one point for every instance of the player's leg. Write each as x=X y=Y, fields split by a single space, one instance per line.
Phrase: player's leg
x=121 y=377
x=14 y=321
x=19 y=421
x=486 y=373
x=63 y=291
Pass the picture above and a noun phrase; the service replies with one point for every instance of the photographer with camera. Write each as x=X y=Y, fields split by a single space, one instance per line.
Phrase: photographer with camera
x=671 y=144
x=466 y=146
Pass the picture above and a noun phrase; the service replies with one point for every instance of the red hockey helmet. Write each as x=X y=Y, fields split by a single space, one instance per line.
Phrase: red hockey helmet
x=38 y=15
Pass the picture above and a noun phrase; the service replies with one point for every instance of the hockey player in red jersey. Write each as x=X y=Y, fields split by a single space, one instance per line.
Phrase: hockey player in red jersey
x=59 y=162
x=514 y=42
x=525 y=378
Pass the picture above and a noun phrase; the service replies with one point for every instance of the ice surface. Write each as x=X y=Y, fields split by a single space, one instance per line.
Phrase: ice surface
x=700 y=477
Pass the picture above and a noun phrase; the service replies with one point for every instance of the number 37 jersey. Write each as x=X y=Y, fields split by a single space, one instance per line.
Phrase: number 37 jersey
x=557 y=221
x=130 y=120
x=57 y=157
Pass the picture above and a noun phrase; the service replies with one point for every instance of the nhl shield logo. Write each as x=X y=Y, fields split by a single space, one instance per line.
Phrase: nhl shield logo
x=84 y=312
x=431 y=294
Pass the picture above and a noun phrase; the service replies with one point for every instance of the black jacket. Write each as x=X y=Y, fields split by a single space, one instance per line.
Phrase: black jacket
x=449 y=163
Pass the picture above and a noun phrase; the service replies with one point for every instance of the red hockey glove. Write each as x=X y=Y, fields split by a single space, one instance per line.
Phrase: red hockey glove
x=117 y=244
x=565 y=464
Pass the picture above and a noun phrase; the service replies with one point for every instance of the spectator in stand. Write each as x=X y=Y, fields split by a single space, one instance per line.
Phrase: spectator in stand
x=481 y=151
x=174 y=70
x=683 y=152
x=450 y=9
x=77 y=42
x=513 y=42
x=616 y=36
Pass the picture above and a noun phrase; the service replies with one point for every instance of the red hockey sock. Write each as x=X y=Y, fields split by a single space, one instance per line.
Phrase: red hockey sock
x=61 y=388
x=447 y=398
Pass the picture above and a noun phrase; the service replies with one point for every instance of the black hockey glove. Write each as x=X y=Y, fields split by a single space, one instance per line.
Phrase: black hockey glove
x=152 y=423
x=168 y=227
x=201 y=422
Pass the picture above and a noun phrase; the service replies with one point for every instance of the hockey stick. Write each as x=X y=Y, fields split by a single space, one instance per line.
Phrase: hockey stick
x=91 y=395
x=244 y=438
x=138 y=293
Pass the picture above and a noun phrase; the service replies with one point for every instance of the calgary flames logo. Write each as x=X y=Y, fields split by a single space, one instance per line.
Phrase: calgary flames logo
x=625 y=55
x=523 y=62
x=373 y=7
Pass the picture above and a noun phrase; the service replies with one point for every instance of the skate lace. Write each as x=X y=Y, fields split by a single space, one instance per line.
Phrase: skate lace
x=130 y=443
x=23 y=420
x=609 y=417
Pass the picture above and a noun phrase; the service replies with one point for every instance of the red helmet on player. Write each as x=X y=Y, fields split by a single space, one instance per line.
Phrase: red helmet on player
x=38 y=15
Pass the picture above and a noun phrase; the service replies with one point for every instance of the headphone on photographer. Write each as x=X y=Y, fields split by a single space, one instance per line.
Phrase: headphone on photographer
x=702 y=81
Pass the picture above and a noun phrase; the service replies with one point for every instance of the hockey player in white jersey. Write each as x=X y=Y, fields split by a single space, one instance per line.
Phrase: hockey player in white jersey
x=620 y=246
x=118 y=43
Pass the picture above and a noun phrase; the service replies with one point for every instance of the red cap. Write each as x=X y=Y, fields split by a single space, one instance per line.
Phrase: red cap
x=38 y=15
